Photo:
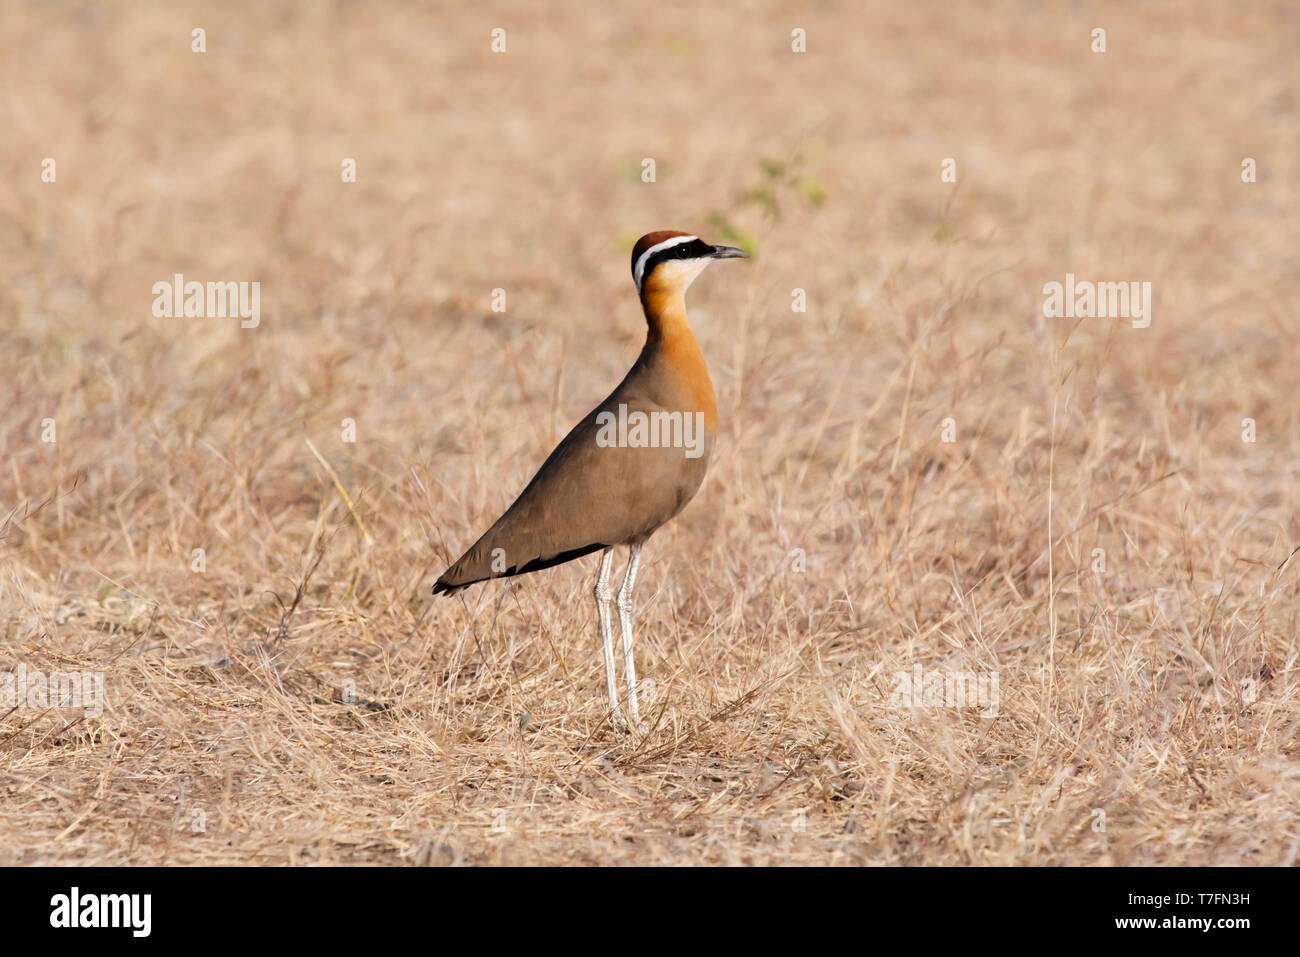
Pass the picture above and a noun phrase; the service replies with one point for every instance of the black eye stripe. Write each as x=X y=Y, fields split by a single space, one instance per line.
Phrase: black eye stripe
x=696 y=249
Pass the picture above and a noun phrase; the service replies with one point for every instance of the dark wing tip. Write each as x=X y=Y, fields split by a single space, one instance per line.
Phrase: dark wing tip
x=443 y=587
x=454 y=578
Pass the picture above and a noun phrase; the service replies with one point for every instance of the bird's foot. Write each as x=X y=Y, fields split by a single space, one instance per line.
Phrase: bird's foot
x=641 y=727
x=623 y=726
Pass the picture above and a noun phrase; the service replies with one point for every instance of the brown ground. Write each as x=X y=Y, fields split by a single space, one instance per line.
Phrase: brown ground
x=1148 y=713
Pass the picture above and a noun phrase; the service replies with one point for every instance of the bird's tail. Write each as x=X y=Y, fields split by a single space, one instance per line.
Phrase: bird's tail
x=478 y=564
x=462 y=574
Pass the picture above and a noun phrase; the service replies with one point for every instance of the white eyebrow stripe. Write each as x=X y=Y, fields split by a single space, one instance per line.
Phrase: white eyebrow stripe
x=658 y=247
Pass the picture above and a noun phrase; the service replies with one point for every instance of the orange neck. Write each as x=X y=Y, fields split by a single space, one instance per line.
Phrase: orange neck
x=669 y=340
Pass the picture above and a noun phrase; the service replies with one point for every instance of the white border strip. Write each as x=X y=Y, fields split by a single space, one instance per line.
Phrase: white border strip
x=657 y=247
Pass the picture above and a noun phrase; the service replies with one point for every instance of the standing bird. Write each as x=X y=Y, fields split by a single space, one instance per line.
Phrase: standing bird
x=630 y=465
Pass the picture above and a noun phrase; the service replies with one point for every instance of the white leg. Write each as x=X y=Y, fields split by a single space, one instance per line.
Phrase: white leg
x=604 y=596
x=625 y=619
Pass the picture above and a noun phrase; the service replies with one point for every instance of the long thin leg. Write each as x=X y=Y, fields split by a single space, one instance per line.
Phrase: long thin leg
x=625 y=619
x=604 y=596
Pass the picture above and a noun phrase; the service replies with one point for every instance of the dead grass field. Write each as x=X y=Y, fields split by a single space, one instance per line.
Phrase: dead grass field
x=1148 y=714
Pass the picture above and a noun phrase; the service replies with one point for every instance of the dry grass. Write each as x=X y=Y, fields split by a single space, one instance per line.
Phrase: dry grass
x=1162 y=692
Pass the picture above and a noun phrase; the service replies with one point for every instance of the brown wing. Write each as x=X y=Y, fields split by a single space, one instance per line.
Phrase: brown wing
x=586 y=496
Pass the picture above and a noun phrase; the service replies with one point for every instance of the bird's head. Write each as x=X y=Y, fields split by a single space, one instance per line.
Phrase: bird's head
x=666 y=262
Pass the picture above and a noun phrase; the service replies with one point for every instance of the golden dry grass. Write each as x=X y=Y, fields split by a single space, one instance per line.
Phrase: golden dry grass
x=1161 y=692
